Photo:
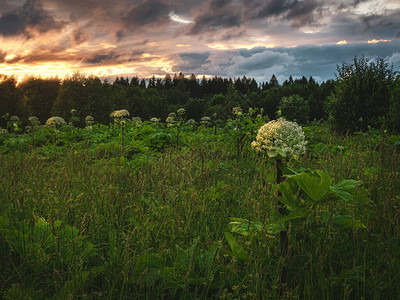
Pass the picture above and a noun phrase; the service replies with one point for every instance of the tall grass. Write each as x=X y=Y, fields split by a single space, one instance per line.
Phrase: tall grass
x=155 y=226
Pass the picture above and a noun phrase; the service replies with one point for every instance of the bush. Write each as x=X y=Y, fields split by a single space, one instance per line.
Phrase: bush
x=362 y=95
x=394 y=107
x=295 y=108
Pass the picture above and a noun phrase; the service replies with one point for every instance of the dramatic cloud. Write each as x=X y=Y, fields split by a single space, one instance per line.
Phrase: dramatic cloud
x=149 y=13
x=232 y=38
x=318 y=61
x=216 y=15
x=28 y=18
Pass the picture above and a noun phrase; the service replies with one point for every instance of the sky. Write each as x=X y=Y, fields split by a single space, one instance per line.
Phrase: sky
x=228 y=38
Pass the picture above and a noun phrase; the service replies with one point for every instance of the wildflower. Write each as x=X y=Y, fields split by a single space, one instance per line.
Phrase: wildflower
x=280 y=139
x=155 y=120
x=170 y=120
x=119 y=114
x=237 y=111
x=137 y=121
x=14 y=119
x=89 y=119
x=172 y=115
x=206 y=121
x=181 y=112
x=34 y=120
x=55 y=122
x=191 y=122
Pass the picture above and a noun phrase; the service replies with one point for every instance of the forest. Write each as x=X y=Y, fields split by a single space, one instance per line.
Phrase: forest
x=179 y=188
x=88 y=95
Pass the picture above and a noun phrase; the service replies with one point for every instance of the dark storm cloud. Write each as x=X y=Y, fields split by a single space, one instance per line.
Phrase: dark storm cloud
x=119 y=35
x=376 y=20
x=79 y=36
x=365 y=27
x=11 y=24
x=136 y=56
x=216 y=4
x=299 y=13
x=31 y=16
x=149 y=13
x=98 y=59
x=310 y=60
x=2 y=56
x=192 y=61
x=233 y=34
x=275 y=7
x=217 y=15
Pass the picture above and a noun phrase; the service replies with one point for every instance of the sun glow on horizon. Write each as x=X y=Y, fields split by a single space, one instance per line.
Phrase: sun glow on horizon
x=374 y=41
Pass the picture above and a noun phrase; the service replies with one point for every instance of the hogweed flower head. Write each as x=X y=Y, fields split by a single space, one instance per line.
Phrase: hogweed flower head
x=170 y=120
x=55 y=122
x=138 y=121
x=119 y=114
x=34 y=120
x=191 y=122
x=181 y=112
x=14 y=119
x=155 y=120
x=89 y=120
x=237 y=111
x=280 y=139
x=172 y=115
x=206 y=121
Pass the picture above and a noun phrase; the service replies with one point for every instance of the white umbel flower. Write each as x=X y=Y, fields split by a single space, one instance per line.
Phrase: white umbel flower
x=280 y=139
x=55 y=122
x=119 y=114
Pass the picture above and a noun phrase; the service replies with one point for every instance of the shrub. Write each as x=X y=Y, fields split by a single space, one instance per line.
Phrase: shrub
x=362 y=95
x=295 y=108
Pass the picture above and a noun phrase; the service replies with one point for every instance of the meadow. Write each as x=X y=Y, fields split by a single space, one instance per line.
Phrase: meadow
x=141 y=210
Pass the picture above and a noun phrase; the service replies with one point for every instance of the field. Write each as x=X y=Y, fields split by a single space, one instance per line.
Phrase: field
x=141 y=210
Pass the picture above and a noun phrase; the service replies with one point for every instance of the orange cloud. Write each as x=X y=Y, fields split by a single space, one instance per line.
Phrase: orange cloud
x=374 y=41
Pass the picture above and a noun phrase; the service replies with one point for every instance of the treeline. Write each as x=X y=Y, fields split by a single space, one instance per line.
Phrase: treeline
x=156 y=97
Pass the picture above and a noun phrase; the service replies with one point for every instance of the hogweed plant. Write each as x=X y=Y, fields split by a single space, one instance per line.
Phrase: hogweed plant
x=120 y=117
x=35 y=122
x=15 y=124
x=74 y=121
x=89 y=120
x=55 y=123
x=181 y=113
x=280 y=139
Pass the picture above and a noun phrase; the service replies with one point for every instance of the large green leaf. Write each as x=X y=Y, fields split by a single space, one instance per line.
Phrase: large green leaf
x=289 y=190
x=237 y=250
x=299 y=213
x=245 y=227
x=348 y=222
x=314 y=184
x=345 y=189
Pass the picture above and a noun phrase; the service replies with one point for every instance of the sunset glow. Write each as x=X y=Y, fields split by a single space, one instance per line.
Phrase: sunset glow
x=212 y=37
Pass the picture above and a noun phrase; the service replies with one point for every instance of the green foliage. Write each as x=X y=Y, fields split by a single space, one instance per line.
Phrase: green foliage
x=394 y=107
x=307 y=191
x=78 y=219
x=362 y=95
x=295 y=108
